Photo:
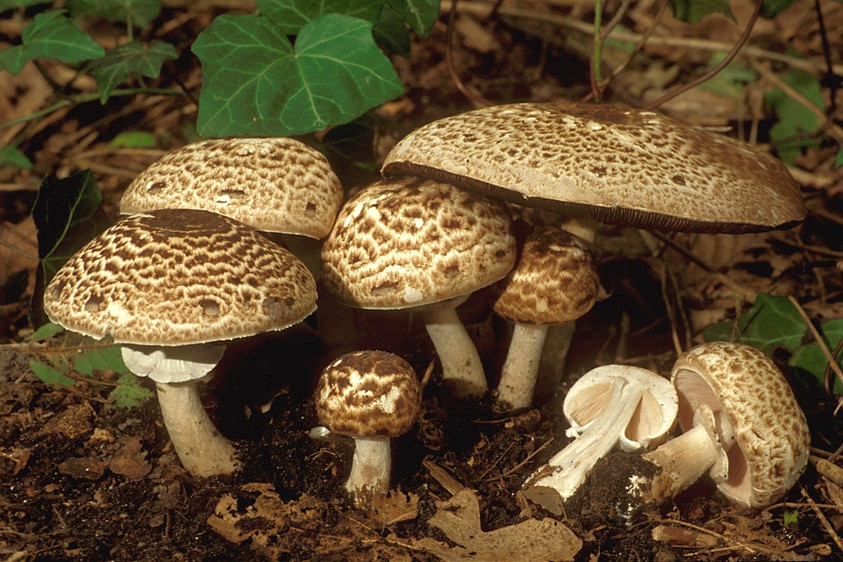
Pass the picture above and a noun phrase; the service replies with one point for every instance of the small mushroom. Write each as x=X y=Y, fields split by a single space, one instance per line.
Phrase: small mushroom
x=171 y=286
x=413 y=244
x=741 y=424
x=370 y=396
x=555 y=281
x=613 y=405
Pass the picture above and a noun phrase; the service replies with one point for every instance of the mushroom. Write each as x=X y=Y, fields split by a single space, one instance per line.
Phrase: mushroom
x=171 y=286
x=741 y=424
x=277 y=185
x=370 y=396
x=613 y=405
x=555 y=281
x=604 y=163
x=422 y=245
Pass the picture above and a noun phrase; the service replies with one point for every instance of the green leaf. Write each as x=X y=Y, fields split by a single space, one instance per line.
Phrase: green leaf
x=731 y=80
x=391 y=32
x=291 y=15
x=256 y=84
x=839 y=162
x=123 y=61
x=12 y=4
x=772 y=8
x=100 y=358
x=129 y=393
x=49 y=375
x=67 y=213
x=52 y=35
x=11 y=156
x=138 y=12
x=13 y=59
x=811 y=358
x=420 y=14
x=772 y=322
x=796 y=124
x=46 y=331
x=133 y=139
x=692 y=11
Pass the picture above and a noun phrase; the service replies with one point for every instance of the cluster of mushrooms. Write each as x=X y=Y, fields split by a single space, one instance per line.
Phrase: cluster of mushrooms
x=187 y=270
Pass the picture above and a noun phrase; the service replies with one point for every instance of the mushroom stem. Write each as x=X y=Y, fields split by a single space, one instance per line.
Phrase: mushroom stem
x=203 y=451
x=462 y=368
x=571 y=465
x=521 y=368
x=370 y=466
x=552 y=363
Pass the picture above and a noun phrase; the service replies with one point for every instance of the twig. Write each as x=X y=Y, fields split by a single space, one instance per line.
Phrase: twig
x=716 y=70
x=818 y=337
x=821 y=516
x=529 y=457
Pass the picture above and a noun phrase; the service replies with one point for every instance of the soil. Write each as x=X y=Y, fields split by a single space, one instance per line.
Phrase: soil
x=84 y=479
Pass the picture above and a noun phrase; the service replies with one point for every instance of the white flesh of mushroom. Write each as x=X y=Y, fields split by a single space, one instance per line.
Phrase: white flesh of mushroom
x=521 y=368
x=370 y=466
x=202 y=450
x=609 y=406
x=462 y=369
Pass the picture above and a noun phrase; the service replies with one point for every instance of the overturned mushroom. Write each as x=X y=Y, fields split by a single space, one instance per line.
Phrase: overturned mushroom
x=610 y=406
x=171 y=286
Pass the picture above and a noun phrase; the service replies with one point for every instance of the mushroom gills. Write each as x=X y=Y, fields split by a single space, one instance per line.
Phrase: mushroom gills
x=172 y=364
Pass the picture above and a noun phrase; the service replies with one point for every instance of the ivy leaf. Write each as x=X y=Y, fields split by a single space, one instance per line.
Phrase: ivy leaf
x=123 y=61
x=811 y=358
x=100 y=358
x=137 y=12
x=11 y=156
x=692 y=11
x=67 y=212
x=51 y=35
x=796 y=124
x=391 y=32
x=49 y=375
x=420 y=14
x=291 y=15
x=257 y=84
x=772 y=322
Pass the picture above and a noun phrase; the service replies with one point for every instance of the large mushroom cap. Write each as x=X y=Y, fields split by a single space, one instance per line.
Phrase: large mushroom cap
x=410 y=242
x=272 y=184
x=554 y=281
x=771 y=438
x=368 y=394
x=175 y=277
x=612 y=164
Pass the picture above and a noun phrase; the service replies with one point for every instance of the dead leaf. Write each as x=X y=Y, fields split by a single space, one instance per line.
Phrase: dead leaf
x=73 y=422
x=130 y=460
x=532 y=540
x=85 y=468
x=394 y=507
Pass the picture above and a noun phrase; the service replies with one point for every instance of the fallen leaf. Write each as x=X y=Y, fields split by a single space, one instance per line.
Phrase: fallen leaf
x=130 y=460
x=394 y=507
x=85 y=468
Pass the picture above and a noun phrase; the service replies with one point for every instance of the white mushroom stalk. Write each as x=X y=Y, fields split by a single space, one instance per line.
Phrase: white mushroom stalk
x=611 y=406
x=371 y=465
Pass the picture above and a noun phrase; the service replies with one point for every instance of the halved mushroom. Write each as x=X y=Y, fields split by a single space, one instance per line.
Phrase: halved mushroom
x=171 y=286
x=613 y=405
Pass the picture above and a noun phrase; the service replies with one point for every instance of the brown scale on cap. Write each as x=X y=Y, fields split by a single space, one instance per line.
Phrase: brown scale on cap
x=271 y=184
x=555 y=280
x=772 y=441
x=410 y=242
x=612 y=164
x=174 y=277
x=368 y=394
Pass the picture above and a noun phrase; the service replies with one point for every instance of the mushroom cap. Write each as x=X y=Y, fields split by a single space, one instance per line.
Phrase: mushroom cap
x=612 y=164
x=410 y=242
x=368 y=394
x=554 y=281
x=771 y=435
x=175 y=277
x=272 y=184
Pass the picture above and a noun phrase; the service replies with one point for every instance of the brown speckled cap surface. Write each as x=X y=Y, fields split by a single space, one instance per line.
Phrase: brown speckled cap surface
x=175 y=277
x=612 y=164
x=272 y=184
x=771 y=434
x=554 y=281
x=410 y=242
x=368 y=394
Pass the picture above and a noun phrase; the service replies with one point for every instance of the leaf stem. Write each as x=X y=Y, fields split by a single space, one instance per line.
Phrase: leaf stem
x=597 y=51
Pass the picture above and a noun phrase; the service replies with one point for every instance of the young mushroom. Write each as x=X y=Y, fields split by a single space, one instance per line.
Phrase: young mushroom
x=742 y=426
x=555 y=281
x=413 y=244
x=171 y=286
x=370 y=396
x=613 y=405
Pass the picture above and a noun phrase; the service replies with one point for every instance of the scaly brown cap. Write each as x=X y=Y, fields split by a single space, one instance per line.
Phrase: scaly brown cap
x=368 y=394
x=554 y=281
x=175 y=277
x=612 y=164
x=272 y=184
x=410 y=242
x=772 y=441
